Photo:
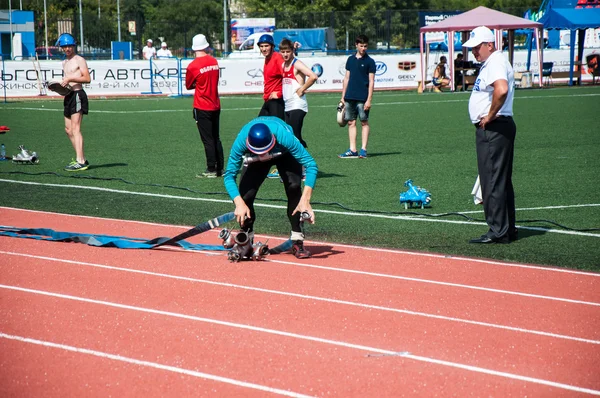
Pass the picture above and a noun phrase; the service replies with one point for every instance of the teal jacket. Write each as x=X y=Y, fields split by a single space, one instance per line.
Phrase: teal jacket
x=286 y=142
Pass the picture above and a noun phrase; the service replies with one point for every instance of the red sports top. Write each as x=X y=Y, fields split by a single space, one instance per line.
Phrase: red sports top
x=273 y=74
x=203 y=73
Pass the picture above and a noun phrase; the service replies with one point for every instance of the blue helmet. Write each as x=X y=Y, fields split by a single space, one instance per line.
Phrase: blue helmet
x=260 y=139
x=65 y=40
x=266 y=39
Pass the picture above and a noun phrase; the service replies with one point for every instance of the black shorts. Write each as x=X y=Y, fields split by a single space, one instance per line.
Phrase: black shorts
x=76 y=102
x=273 y=107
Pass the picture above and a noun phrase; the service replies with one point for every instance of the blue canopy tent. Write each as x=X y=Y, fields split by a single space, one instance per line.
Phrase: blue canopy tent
x=573 y=19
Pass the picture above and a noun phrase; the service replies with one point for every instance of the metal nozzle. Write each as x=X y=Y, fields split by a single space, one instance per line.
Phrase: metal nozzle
x=305 y=216
x=260 y=251
x=228 y=239
x=234 y=256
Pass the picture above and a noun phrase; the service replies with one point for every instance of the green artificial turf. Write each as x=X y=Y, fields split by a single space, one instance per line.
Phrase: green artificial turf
x=151 y=146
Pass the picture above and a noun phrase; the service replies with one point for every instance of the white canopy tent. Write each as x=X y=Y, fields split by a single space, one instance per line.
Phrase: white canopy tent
x=467 y=21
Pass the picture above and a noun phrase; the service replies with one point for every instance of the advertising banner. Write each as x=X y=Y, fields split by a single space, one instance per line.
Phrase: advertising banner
x=241 y=28
x=427 y=18
x=237 y=76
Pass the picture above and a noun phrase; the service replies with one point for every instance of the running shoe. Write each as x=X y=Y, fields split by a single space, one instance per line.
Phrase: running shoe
x=349 y=154
x=210 y=174
x=362 y=154
x=299 y=251
x=273 y=174
x=76 y=166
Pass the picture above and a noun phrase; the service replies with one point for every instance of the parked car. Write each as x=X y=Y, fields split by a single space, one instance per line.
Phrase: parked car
x=53 y=53
x=383 y=45
x=249 y=47
x=96 y=53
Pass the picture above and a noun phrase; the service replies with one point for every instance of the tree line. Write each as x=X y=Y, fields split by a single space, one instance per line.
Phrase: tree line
x=178 y=20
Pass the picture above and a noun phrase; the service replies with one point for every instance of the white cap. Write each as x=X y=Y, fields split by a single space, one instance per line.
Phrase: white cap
x=163 y=44
x=149 y=41
x=199 y=43
x=481 y=34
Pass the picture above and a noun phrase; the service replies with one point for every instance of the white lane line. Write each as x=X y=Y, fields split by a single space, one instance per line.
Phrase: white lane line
x=466 y=99
x=440 y=256
x=388 y=276
x=418 y=102
x=459 y=285
x=157 y=195
x=115 y=112
x=540 y=208
x=344 y=213
x=336 y=343
x=154 y=365
x=430 y=219
x=316 y=298
x=368 y=248
x=504 y=374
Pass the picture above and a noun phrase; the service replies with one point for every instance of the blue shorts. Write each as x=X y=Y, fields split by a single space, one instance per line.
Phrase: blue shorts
x=437 y=81
x=356 y=109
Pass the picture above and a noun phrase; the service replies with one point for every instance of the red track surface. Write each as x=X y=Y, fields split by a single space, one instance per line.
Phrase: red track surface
x=76 y=320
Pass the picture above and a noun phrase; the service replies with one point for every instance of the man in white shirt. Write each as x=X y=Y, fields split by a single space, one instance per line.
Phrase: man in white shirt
x=491 y=111
x=149 y=51
x=164 y=52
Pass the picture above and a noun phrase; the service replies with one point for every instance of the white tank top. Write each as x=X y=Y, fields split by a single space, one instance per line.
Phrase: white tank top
x=290 y=86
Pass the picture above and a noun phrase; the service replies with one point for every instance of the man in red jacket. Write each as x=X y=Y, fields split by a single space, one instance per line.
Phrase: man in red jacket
x=203 y=75
x=273 y=75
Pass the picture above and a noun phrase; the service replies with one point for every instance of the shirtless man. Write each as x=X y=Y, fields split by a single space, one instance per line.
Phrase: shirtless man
x=76 y=73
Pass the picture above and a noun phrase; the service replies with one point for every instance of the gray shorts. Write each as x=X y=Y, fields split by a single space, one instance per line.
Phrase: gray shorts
x=356 y=109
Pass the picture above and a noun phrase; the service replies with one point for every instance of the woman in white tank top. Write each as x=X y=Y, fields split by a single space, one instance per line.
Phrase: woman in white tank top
x=297 y=78
x=290 y=89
